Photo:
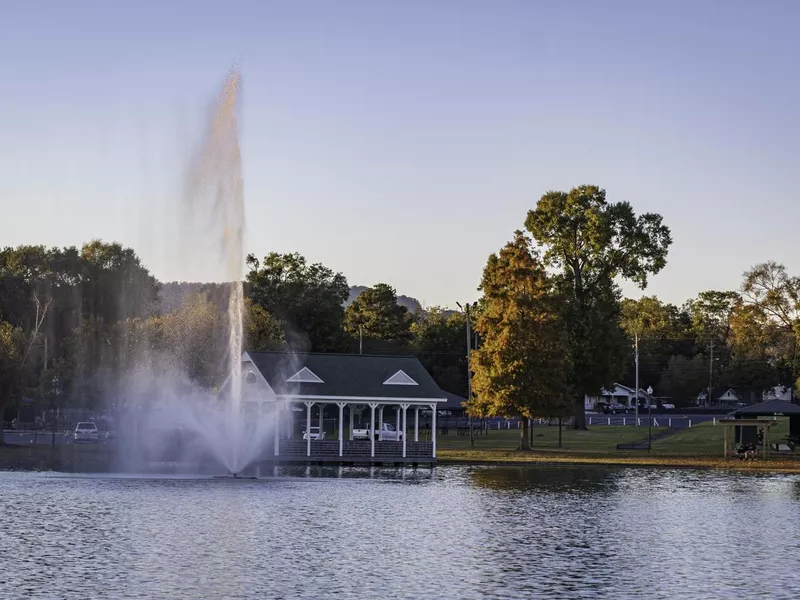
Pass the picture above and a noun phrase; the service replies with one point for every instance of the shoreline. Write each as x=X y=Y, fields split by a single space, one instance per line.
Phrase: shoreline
x=100 y=458
x=515 y=458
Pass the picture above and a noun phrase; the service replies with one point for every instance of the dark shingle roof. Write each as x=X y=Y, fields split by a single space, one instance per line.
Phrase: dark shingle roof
x=346 y=375
x=454 y=402
x=770 y=407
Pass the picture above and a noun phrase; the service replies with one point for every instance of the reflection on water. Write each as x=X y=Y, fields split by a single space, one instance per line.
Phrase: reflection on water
x=454 y=532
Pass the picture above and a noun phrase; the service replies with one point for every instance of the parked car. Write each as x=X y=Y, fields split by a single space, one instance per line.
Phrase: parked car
x=614 y=408
x=386 y=432
x=86 y=431
x=315 y=433
x=668 y=406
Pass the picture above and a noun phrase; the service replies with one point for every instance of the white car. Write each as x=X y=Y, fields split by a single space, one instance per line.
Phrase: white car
x=86 y=432
x=385 y=432
x=668 y=406
x=315 y=434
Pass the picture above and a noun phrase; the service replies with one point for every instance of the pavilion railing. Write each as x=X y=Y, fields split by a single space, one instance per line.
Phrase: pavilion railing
x=355 y=448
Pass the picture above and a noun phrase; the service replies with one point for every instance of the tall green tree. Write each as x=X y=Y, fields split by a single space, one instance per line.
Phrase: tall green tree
x=774 y=296
x=593 y=243
x=114 y=284
x=710 y=315
x=307 y=298
x=264 y=330
x=376 y=315
x=521 y=367
x=18 y=350
x=683 y=378
x=440 y=345
x=12 y=349
x=663 y=330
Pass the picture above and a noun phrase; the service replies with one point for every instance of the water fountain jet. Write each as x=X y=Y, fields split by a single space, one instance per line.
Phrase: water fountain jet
x=227 y=426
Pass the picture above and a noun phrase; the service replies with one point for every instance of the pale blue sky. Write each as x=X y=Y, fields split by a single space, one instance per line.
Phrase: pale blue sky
x=405 y=141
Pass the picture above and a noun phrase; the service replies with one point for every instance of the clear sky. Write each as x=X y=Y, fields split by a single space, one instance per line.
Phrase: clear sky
x=403 y=141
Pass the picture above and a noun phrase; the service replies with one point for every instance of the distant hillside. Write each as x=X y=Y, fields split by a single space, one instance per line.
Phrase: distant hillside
x=412 y=304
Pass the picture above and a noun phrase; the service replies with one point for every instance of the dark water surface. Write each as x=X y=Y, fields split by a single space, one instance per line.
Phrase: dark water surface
x=455 y=532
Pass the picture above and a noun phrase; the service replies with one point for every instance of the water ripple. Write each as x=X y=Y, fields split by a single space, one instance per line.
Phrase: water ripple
x=457 y=532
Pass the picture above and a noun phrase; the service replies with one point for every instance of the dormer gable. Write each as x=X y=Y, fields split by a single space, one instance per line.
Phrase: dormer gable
x=304 y=375
x=400 y=378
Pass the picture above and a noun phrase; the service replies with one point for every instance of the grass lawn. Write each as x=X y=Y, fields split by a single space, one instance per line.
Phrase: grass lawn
x=699 y=447
x=598 y=439
x=707 y=439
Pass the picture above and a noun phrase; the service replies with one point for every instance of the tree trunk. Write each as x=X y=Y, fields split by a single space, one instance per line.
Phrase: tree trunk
x=580 y=413
x=523 y=438
x=559 y=431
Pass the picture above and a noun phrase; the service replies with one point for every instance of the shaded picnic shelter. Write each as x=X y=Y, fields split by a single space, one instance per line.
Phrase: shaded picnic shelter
x=746 y=422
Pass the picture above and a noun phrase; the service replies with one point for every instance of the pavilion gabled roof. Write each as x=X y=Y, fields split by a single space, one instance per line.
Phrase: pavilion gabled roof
x=770 y=407
x=346 y=375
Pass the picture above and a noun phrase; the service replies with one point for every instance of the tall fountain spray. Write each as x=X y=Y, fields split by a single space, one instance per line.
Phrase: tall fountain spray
x=225 y=426
x=213 y=209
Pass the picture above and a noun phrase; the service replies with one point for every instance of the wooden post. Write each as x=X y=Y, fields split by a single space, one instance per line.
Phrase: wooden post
x=725 y=437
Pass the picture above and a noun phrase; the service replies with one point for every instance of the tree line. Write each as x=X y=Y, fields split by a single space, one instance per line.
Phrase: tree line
x=555 y=328
x=551 y=323
x=73 y=321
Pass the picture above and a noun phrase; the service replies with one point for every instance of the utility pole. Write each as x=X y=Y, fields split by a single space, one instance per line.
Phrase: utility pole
x=469 y=371
x=469 y=376
x=636 y=353
x=360 y=340
x=710 y=372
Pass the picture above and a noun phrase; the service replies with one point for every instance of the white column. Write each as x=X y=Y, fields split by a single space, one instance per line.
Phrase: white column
x=341 y=428
x=433 y=428
x=397 y=425
x=277 y=429
x=380 y=423
x=405 y=426
x=372 y=428
x=308 y=404
x=350 y=410
x=416 y=423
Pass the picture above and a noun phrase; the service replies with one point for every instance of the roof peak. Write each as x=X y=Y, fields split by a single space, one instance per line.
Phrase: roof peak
x=290 y=353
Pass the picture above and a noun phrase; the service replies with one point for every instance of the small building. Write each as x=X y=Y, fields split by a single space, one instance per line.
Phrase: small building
x=619 y=394
x=770 y=408
x=358 y=391
x=739 y=396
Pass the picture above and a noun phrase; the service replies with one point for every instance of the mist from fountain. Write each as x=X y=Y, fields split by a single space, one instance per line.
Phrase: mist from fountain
x=173 y=417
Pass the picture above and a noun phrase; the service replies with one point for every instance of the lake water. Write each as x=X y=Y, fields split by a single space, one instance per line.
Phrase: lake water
x=454 y=532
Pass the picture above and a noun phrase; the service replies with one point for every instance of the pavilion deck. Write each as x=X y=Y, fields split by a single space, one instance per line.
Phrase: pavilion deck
x=354 y=451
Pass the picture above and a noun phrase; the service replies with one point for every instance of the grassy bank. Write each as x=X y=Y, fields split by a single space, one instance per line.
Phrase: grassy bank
x=84 y=458
x=699 y=447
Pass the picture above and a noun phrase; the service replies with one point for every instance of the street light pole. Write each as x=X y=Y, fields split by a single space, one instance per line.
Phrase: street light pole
x=636 y=345
x=649 y=417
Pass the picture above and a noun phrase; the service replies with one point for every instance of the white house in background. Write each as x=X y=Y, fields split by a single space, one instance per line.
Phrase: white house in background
x=728 y=396
x=620 y=394
x=779 y=392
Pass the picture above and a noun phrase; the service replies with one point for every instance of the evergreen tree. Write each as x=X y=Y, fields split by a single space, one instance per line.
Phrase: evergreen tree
x=378 y=316
x=520 y=368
